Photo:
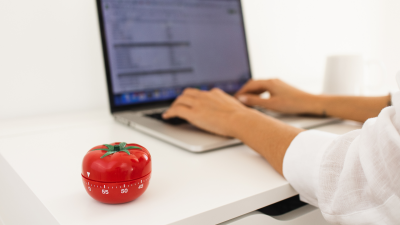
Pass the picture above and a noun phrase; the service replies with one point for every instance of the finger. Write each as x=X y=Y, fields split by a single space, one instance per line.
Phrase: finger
x=218 y=92
x=181 y=111
x=191 y=92
x=223 y=95
x=254 y=100
x=186 y=100
x=253 y=87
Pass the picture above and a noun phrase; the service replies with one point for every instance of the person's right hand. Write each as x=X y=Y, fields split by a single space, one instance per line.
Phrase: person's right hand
x=283 y=97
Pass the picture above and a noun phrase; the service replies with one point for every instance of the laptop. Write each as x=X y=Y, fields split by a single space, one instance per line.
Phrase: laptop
x=154 y=49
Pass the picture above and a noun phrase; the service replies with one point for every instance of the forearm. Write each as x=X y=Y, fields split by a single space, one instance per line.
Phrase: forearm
x=266 y=135
x=350 y=107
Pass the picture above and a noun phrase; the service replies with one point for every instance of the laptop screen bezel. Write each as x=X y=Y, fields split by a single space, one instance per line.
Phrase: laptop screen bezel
x=113 y=107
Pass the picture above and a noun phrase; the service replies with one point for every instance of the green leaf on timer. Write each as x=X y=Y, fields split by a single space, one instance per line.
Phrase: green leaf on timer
x=132 y=147
x=127 y=152
x=108 y=153
x=111 y=149
x=122 y=145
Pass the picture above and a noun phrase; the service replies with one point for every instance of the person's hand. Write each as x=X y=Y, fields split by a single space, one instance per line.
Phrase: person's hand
x=219 y=113
x=283 y=97
x=214 y=111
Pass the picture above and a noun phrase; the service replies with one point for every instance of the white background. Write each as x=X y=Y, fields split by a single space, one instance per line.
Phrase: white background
x=51 y=59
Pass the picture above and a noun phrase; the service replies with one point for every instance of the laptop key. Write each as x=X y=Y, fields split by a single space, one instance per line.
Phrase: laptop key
x=172 y=121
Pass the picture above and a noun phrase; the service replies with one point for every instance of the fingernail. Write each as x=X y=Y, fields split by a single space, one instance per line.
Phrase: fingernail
x=242 y=98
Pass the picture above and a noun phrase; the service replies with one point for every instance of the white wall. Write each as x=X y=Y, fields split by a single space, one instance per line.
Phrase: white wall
x=291 y=39
x=50 y=57
x=50 y=52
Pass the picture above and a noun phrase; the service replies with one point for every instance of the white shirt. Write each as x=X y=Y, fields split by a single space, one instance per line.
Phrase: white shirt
x=353 y=178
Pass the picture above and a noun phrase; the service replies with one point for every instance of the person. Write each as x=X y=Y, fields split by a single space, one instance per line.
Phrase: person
x=353 y=178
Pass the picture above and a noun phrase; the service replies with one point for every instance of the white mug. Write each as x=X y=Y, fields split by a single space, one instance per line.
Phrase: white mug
x=346 y=74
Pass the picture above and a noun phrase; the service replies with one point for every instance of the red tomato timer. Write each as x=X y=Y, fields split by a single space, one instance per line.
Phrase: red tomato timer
x=116 y=173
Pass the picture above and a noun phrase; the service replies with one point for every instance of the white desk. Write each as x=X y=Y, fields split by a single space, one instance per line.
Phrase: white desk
x=40 y=166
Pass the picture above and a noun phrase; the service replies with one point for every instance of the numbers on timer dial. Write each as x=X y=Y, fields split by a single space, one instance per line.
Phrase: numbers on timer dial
x=123 y=190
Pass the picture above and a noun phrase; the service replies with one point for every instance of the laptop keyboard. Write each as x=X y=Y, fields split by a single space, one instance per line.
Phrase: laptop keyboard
x=172 y=121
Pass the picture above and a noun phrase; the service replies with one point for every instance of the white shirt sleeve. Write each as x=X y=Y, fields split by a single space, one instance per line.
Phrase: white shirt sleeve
x=353 y=178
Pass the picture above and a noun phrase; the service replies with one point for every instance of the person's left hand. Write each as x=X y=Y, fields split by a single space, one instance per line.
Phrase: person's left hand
x=214 y=111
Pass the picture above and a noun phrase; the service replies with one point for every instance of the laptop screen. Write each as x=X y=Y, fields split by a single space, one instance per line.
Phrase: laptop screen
x=154 y=49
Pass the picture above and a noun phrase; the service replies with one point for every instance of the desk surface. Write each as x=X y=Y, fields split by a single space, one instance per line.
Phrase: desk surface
x=185 y=188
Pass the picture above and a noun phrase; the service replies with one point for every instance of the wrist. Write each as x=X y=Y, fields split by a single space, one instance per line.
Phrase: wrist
x=239 y=120
x=316 y=105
